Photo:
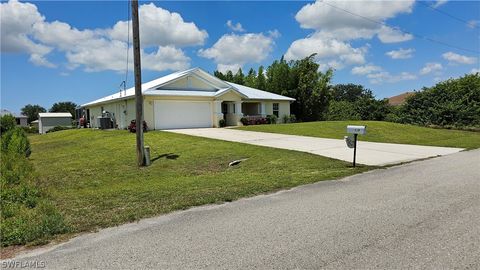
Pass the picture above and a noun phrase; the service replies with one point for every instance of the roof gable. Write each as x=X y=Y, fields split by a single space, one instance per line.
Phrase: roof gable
x=192 y=82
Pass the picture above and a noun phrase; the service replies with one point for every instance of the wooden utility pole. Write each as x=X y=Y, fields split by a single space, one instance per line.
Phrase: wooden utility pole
x=138 y=85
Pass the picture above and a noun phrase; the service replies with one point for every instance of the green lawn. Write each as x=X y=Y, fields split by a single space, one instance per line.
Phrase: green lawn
x=378 y=132
x=91 y=175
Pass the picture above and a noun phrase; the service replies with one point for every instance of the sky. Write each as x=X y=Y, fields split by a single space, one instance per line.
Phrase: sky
x=55 y=51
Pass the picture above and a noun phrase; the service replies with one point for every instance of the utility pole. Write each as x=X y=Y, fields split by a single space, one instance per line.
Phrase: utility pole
x=138 y=85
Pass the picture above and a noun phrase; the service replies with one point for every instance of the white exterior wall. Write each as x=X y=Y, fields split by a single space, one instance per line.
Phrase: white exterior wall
x=124 y=110
x=47 y=123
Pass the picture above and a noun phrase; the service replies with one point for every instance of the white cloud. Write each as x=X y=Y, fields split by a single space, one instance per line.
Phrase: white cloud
x=17 y=21
x=431 y=67
x=366 y=69
x=439 y=3
x=386 y=77
x=335 y=19
x=473 y=24
x=475 y=70
x=334 y=26
x=390 y=35
x=401 y=53
x=166 y=58
x=25 y=30
x=458 y=58
x=160 y=27
x=237 y=27
x=233 y=50
x=334 y=53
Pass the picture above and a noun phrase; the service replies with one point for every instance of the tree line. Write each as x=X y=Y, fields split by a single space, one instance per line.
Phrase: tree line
x=316 y=98
x=451 y=103
x=32 y=111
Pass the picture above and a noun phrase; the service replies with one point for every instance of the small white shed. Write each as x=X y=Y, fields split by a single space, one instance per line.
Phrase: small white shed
x=47 y=121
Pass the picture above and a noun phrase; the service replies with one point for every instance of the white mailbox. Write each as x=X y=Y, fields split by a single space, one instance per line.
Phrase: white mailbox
x=362 y=130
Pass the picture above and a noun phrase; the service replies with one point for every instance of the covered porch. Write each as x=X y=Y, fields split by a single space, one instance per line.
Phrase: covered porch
x=233 y=111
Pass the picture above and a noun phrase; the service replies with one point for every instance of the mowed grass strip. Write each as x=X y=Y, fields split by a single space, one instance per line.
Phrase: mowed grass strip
x=92 y=177
x=378 y=131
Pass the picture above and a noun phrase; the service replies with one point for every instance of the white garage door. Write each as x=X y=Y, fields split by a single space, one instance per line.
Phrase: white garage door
x=182 y=114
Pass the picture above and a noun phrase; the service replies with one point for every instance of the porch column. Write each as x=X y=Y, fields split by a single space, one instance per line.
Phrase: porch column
x=217 y=112
x=263 y=111
x=238 y=108
x=238 y=112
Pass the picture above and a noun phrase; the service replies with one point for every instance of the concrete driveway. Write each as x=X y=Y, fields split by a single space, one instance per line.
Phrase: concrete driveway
x=368 y=153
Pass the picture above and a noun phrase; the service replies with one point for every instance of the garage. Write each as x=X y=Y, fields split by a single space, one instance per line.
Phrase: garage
x=169 y=114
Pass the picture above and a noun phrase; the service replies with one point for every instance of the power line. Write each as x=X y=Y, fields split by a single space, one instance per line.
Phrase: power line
x=403 y=31
x=128 y=44
x=449 y=15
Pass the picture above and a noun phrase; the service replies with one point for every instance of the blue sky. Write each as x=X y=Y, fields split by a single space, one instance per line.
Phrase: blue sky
x=76 y=51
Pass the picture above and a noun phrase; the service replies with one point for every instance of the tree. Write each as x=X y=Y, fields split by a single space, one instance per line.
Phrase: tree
x=454 y=102
x=239 y=78
x=219 y=75
x=251 y=78
x=32 y=111
x=7 y=122
x=278 y=77
x=349 y=92
x=229 y=76
x=66 y=106
x=261 y=82
x=311 y=91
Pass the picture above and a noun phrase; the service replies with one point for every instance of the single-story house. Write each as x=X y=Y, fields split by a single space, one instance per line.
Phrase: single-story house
x=20 y=119
x=188 y=99
x=47 y=121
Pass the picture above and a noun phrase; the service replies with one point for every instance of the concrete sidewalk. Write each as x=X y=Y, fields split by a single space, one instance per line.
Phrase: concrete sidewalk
x=368 y=153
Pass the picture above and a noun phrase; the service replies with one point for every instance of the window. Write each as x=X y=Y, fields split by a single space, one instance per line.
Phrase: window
x=275 y=109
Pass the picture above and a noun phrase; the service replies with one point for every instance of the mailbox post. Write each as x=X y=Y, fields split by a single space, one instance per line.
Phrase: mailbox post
x=355 y=130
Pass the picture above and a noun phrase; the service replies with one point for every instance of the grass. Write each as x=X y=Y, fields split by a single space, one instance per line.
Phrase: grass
x=92 y=179
x=378 y=132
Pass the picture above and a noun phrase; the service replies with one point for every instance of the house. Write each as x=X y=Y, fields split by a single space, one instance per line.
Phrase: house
x=399 y=99
x=47 y=121
x=188 y=99
x=21 y=119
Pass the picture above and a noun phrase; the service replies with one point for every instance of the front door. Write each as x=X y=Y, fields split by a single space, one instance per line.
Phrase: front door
x=224 y=110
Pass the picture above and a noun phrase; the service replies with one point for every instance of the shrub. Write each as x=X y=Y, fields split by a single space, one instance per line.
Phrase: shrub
x=7 y=122
x=25 y=215
x=451 y=103
x=24 y=225
x=58 y=128
x=222 y=123
x=342 y=110
x=32 y=130
x=271 y=119
x=285 y=118
x=244 y=121
x=16 y=141
x=293 y=119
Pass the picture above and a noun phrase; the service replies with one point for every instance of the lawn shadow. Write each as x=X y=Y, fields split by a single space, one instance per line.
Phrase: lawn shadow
x=167 y=156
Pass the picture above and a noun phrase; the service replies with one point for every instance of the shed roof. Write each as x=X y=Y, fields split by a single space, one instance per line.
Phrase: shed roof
x=55 y=114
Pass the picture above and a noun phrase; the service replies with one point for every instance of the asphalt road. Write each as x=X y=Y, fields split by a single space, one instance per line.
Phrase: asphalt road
x=424 y=214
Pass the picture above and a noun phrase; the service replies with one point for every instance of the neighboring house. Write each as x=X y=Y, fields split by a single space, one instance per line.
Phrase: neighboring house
x=21 y=119
x=47 y=121
x=188 y=99
x=34 y=124
x=399 y=99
